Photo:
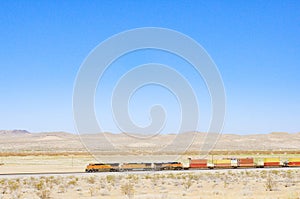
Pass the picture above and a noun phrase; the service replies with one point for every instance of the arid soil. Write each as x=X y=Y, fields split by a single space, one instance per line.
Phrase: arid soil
x=276 y=183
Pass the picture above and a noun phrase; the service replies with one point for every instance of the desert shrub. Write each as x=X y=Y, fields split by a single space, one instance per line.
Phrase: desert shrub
x=248 y=173
x=187 y=184
x=289 y=174
x=91 y=180
x=270 y=184
x=40 y=185
x=32 y=179
x=13 y=185
x=93 y=190
x=293 y=195
x=148 y=176
x=2 y=181
x=44 y=194
x=133 y=178
x=275 y=172
x=171 y=176
x=128 y=190
x=263 y=174
x=154 y=180
x=226 y=183
x=110 y=179
x=62 y=189
x=72 y=182
x=25 y=182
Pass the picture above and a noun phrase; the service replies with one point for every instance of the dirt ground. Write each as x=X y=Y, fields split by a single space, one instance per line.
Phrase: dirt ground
x=241 y=183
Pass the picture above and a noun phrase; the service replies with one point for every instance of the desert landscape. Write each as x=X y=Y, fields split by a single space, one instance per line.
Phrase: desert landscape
x=253 y=183
x=59 y=160
x=22 y=151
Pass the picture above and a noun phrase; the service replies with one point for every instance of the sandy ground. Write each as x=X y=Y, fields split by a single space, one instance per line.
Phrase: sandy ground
x=253 y=183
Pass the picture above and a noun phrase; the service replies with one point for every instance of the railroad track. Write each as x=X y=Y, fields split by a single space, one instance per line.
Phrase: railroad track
x=39 y=174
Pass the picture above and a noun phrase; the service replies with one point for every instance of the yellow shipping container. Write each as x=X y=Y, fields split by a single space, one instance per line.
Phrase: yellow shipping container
x=272 y=160
x=222 y=161
x=294 y=159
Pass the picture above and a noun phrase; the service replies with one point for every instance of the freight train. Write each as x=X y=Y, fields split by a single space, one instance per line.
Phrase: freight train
x=196 y=164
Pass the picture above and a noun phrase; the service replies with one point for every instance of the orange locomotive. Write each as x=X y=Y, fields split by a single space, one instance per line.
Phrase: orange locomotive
x=102 y=167
x=168 y=166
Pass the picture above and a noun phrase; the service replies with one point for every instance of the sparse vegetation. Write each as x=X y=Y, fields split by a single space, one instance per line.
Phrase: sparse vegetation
x=270 y=184
x=209 y=184
x=128 y=189
x=111 y=179
x=187 y=183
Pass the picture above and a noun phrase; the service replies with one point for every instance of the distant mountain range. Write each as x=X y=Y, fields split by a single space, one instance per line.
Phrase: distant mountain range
x=22 y=140
x=14 y=132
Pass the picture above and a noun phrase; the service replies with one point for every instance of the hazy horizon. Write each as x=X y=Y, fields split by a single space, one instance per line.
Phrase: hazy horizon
x=168 y=133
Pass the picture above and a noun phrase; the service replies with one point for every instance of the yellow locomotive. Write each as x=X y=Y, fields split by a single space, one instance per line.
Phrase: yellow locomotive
x=102 y=167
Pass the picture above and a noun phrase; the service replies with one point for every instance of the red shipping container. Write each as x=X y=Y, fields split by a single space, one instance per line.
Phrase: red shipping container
x=246 y=162
x=198 y=161
x=198 y=165
x=294 y=164
x=272 y=164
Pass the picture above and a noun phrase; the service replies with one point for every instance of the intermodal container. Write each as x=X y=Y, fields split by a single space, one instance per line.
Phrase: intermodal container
x=246 y=162
x=198 y=163
x=272 y=162
x=294 y=162
x=222 y=163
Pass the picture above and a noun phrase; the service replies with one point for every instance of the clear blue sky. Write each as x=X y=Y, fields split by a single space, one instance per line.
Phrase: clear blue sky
x=255 y=44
